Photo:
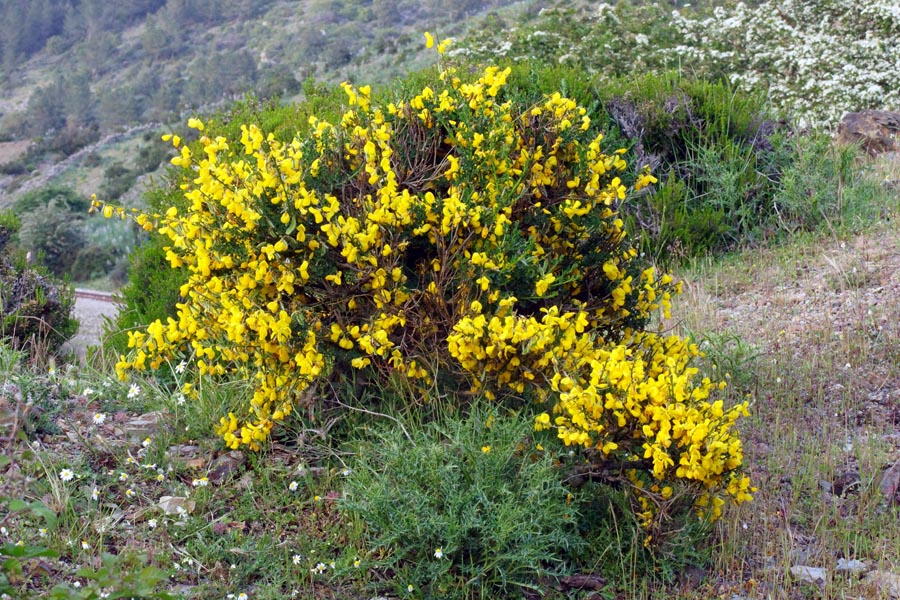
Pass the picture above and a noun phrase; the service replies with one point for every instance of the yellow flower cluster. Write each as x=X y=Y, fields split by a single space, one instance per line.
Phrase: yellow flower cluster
x=456 y=226
x=635 y=401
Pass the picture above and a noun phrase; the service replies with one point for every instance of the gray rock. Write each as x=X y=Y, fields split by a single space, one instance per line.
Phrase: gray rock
x=171 y=505
x=143 y=426
x=851 y=567
x=877 y=131
x=890 y=482
x=883 y=582
x=224 y=467
x=813 y=575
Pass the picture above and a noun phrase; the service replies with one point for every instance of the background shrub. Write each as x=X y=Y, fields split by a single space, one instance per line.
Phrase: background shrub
x=54 y=236
x=36 y=310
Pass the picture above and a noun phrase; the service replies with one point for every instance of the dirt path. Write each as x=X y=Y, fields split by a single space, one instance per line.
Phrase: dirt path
x=90 y=309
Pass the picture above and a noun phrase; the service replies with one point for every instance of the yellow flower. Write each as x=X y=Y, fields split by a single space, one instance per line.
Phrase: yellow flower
x=540 y=288
x=429 y=40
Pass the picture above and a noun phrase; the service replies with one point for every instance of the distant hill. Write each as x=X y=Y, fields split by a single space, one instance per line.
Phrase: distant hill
x=74 y=71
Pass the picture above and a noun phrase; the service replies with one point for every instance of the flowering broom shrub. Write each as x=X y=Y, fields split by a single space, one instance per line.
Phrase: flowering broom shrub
x=453 y=238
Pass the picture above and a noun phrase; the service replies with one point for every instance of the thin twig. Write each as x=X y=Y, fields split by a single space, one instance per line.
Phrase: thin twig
x=373 y=413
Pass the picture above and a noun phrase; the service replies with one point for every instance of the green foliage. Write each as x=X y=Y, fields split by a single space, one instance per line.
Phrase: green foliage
x=93 y=262
x=117 y=180
x=9 y=226
x=61 y=198
x=732 y=358
x=717 y=156
x=12 y=556
x=153 y=287
x=54 y=236
x=125 y=575
x=824 y=184
x=618 y=547
x=475 y=488
x=36 y=310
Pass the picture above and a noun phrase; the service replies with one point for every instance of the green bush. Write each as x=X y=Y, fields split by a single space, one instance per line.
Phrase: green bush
x=62 y=198
x=36 y=310
x=466 y=508
x=54 y=236
x=719 y=156
x=92 y=262
x=153 y=288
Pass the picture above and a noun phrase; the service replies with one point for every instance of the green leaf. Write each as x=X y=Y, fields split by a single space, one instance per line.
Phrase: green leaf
x=16 y=505
x=42 y=510
x=291 y=226
x=26 y=551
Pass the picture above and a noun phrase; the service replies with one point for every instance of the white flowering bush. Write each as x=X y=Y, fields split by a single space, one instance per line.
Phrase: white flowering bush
x=605 y=40
x=818 y=58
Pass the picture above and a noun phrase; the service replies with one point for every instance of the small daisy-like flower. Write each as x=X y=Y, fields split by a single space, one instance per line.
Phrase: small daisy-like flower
x=160 y=477
x=202 y=482
x=242 y=596
x=95 y=494
x=356 y=563
x=180 y=367
x=293 y=486
x=51 y=371
x=319 y=568
x=317 y=498
x=4 y=531
x=99 y=418
x=152 y=523
x=179 y=399
x=410 y=588
x=296 y=559
x=76 y=584
x=345 y=472
x=123 y=476
x=134 y=391
x=130 y=460
x=87 y=391
x=85 y=545
x=66 y=475
x=146 y=443
x=42 y=532
x=439 y=553
x=129 y=492
x=20 y=543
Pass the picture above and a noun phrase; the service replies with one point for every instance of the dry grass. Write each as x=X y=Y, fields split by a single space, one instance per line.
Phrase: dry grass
x=10 y=151
x=810 y=331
